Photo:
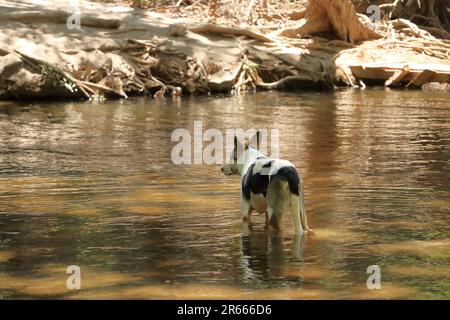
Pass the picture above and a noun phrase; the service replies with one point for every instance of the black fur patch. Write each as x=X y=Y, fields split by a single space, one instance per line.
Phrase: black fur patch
x=246 y=182
x=254 y=183
x=257 y=183
x=291 y=176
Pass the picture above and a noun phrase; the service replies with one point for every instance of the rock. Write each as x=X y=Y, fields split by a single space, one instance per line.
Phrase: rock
x=9 y=65
x=177 y=30
x=436 y=86
x=224 y=80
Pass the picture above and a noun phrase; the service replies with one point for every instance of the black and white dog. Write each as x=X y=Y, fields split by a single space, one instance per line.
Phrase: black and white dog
x=269 y=186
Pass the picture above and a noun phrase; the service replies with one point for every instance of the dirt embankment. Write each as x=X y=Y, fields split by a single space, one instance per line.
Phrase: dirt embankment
x=50 y=49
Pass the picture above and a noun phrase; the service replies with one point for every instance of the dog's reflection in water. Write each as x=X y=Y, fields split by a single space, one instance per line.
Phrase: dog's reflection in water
x=264 y=254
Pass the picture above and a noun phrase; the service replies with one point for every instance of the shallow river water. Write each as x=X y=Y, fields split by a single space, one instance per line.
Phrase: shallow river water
x=93 y=185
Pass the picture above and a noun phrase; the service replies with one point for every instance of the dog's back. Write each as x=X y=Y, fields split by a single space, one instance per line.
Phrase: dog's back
x=280 y=184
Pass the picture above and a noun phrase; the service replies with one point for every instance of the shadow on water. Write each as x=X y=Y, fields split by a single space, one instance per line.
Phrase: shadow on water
x=92 y=184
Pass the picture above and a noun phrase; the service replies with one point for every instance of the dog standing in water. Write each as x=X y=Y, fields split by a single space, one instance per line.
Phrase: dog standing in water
x=269 y=186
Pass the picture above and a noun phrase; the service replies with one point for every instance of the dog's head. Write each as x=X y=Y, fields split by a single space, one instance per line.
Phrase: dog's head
x=231 y=167
x=241 y=154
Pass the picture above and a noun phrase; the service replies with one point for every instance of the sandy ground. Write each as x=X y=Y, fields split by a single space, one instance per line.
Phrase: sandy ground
x=41 y=56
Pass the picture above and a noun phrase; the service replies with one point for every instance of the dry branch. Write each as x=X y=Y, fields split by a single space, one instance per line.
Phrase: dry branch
x=217 y=29
x=59 y=17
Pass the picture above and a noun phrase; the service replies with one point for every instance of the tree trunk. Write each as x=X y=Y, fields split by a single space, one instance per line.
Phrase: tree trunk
x=332 y=16
x=137 y=3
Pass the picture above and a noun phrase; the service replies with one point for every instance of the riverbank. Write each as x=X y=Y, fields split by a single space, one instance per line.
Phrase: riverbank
x=118 y=51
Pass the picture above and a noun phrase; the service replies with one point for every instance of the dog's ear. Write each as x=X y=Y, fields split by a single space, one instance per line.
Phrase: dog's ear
x=235 y=148
x=256 y=137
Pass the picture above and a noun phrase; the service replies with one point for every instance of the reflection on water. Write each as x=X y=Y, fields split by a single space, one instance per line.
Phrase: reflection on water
x=92 y=184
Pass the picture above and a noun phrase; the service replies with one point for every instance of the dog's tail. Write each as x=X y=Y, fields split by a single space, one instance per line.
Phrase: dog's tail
x=303 y=217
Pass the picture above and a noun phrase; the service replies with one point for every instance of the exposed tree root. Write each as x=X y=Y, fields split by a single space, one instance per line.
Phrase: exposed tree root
x=289 y=82
x=112 y=81
x=249 y=78
x=431 y=14
x=37 y=62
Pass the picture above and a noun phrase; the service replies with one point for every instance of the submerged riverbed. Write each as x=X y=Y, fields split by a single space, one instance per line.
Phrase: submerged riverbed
x=93 y=185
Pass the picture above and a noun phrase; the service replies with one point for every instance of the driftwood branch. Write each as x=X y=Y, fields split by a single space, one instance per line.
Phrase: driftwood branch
x=218 y=29
x=59 y=17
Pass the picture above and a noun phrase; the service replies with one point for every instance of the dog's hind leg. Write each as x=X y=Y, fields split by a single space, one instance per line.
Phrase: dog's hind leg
x=273 y=219
x=295 y=212
x=277 y=202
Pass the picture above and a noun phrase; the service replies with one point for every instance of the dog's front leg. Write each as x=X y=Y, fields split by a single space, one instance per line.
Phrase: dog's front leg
x=246 y=209
x=246 y=216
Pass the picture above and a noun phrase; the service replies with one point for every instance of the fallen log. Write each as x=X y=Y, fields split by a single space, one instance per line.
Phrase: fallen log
x=414 y=74
x=397 y=77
